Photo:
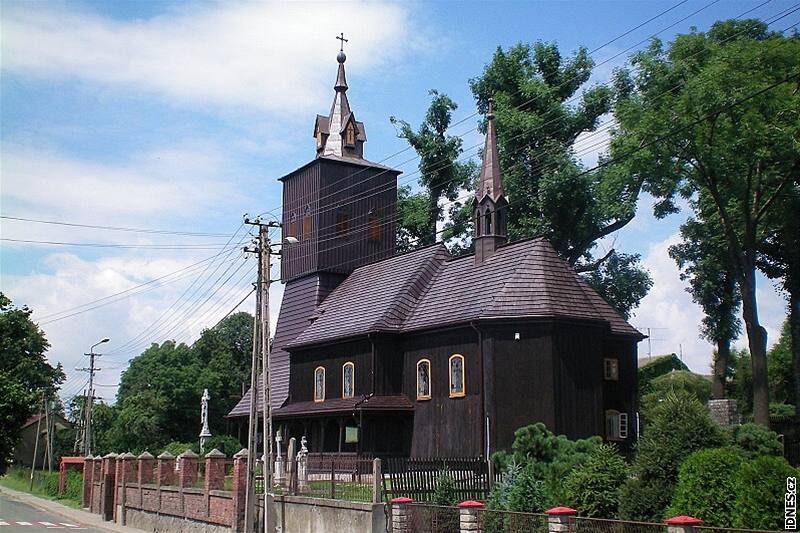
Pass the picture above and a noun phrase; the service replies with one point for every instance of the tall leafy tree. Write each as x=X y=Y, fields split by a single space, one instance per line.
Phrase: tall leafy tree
x=441 y=175
x=714 y=115
x=781 y=261
x=705 y=263
x=25 y=373
x=539 y=117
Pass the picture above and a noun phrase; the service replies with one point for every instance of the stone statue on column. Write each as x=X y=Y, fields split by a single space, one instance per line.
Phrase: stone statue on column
x=205 y=433
x=302 y=473
x=279 y=464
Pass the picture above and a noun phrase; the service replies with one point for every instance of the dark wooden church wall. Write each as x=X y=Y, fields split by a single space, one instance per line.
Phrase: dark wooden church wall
x=355 y=191
x=444 y=426
x=623 y=395
x=578 y=373
x=304 y=362
x=300 y=190
x=388 y=364
x=521 y=373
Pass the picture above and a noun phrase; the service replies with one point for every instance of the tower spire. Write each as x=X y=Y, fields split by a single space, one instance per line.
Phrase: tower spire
x=490 y=204
x=490 y=182
x=339 y=134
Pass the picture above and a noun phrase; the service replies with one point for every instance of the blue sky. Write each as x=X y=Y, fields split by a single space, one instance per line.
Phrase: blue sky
x=181 y=115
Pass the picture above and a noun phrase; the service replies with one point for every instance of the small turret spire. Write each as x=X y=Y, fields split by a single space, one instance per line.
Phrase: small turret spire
x=339 y=134
x=490 y=182
x=490 y=204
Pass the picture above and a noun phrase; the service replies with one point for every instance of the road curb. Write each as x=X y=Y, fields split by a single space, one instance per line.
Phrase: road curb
x=77 y=515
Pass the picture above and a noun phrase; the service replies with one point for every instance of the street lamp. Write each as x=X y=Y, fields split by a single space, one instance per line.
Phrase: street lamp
x=87 y=436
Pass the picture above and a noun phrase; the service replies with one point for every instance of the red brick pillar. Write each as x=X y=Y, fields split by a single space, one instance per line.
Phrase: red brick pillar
x=401 y=515
x=165 y=469
x=124 y=476
x=144 y=474
x=145 y=469
x=215 y=470
x=187 y=469
x=88 y=479
x=239 y=488
x=97 y=484
x=559 y=519
x=109 y=486
x=469 y=521
x=683 y=524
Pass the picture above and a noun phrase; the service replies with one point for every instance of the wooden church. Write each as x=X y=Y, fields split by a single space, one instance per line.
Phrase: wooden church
x=421 y=353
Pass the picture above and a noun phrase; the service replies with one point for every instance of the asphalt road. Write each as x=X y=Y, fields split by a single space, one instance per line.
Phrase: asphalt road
x=19 y=516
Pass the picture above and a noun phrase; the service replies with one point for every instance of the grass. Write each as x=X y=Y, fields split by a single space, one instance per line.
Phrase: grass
x=45 y=485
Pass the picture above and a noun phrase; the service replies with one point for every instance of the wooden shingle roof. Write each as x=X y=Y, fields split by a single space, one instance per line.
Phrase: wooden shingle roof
x=428 y=289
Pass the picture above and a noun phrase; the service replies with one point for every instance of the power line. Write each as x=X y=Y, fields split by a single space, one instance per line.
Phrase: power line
x=203 y=246
x=115 y=228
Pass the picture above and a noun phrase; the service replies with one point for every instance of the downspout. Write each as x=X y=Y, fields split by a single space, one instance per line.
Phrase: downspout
x=484 y=407
x=372 y=370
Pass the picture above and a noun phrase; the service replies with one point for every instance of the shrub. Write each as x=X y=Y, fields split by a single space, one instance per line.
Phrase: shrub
x=680 y=425
x=781 y=410
x=176 y=448
x=550 y=456
x=760 y=488
x=707 y=486
x=224 y=443
x=498 y=498
x=594 y=488
x=661 y=386
x=73 y=486
x=527 y=495
x=445 y=493
x=755 y=440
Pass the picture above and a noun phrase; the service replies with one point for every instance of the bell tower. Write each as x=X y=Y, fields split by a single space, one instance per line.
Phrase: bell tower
x=490 y=206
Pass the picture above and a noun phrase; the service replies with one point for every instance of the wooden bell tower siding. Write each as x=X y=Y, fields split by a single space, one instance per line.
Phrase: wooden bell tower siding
x=448 y=356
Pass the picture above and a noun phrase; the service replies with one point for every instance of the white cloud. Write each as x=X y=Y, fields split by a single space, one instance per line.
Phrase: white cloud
x=674 y=318
x=63 y=281
x=168 y=183
x=274 y=56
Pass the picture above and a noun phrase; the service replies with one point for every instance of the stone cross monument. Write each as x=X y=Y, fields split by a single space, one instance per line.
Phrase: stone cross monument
x=205 y=433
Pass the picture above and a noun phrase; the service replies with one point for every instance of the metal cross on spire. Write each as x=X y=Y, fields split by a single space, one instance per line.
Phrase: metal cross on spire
x=341 y=38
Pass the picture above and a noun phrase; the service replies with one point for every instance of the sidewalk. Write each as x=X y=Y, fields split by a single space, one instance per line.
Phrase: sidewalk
x=69 y=513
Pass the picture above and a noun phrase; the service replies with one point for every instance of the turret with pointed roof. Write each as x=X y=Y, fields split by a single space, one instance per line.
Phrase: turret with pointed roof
x=490 y=207
x=340 y=134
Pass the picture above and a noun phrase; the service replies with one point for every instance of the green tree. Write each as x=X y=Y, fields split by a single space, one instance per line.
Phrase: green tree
x=724 y=115
x=705 y=263
x=662 y=386
x=760 y=490
x=593 y=489
x=755 y=440
x=25 y=373
x=528 y=493
x=441 y=176
x=706 y=486
x=552 y=194
x=679 y=425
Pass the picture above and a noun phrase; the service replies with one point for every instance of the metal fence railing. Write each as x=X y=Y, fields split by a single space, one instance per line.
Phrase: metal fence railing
x=335 y=477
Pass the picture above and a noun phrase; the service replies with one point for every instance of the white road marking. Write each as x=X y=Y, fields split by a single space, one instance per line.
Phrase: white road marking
x=69 y=525
x=2 y=523
x=24 y=523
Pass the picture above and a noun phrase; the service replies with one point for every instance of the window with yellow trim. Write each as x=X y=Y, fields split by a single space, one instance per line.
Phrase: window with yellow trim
x=319 y=384
x=348 y=380
x=423 y=379
x=456 y=365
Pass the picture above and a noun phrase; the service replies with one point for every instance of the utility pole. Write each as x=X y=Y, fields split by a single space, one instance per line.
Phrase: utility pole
x=36 y=443
x=261 y=346
x=87 y=429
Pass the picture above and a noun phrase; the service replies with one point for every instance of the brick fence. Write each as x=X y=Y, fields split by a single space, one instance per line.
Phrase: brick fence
x=158 y=493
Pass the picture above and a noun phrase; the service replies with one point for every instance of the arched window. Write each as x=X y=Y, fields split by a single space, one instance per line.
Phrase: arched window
x=307 y=223
x=616 y=425
x=423 y=379
x=318 y=136
x=348 y=380
x=373 y=228
x=350 y=135
x=487 y=223
x=478 y=225
x=456 y=365
x=319 y=384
